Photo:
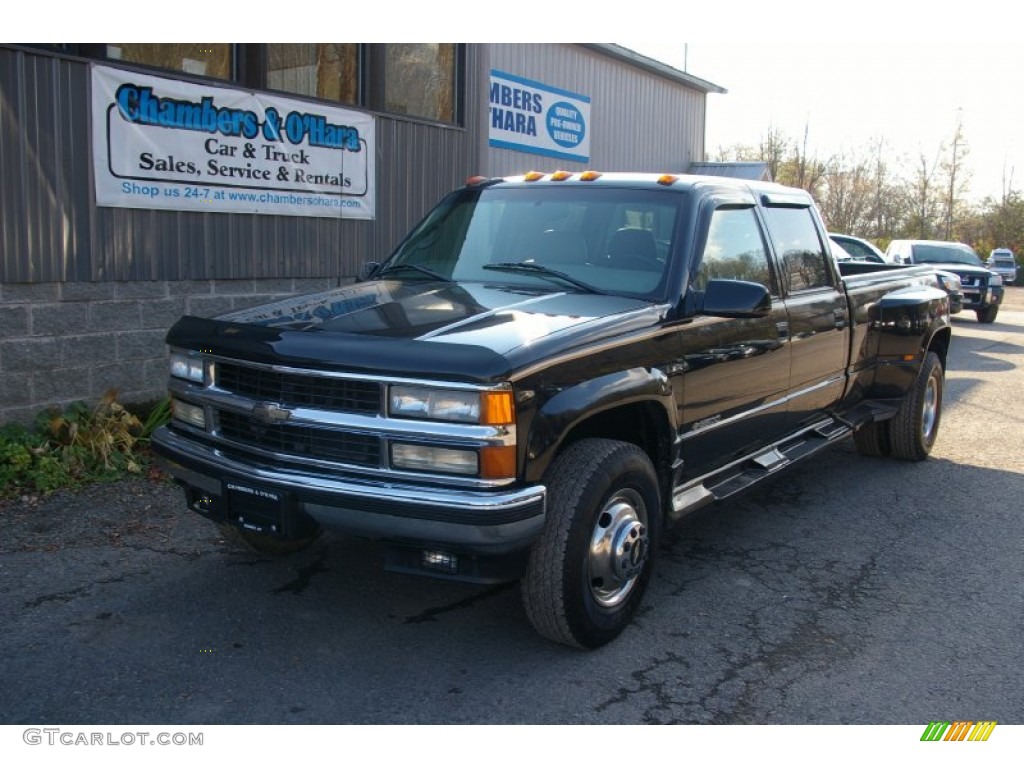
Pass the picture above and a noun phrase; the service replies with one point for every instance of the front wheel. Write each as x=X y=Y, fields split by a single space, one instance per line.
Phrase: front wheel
x=987 y=315
x=915 y=426
x=588 y=571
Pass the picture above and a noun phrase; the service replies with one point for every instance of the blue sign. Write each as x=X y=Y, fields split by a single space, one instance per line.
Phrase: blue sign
x=528 y=116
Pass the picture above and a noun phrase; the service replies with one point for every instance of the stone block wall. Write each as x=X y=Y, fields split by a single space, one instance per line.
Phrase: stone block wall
x=62 y=342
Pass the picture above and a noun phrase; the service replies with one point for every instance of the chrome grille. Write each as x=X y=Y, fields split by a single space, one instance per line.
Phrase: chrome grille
x=301 y=441
x=291 y=389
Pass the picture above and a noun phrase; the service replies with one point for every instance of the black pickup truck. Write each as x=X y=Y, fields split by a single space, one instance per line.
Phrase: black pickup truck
x=547 y=371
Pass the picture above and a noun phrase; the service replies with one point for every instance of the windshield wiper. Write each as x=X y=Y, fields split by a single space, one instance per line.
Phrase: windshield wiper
x=540 y=269
x=417 y=267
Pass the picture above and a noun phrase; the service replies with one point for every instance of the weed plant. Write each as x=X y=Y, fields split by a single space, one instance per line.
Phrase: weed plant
x=78 y=445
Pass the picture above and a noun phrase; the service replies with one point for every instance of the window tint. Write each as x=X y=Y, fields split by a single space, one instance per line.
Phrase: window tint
x=209 y=59
x=422 y=80
x=597 y=236
x=855 y=249
x=799 y=248
x=735 y=250
x=419 y=79
x=324 y=70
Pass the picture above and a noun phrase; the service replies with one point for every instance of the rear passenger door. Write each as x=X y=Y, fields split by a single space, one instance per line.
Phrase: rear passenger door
x=815 y=303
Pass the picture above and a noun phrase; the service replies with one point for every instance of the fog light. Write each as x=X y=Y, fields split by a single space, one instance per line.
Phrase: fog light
x=439 y=561
x=190 y=414
x=429 y=458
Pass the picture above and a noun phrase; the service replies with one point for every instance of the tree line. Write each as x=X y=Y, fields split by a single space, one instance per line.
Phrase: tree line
x=874 y=194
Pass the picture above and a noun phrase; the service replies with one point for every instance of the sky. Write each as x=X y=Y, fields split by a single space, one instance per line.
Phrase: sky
x=846 y=95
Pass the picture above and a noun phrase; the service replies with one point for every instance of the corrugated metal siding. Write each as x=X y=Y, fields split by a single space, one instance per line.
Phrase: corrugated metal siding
x=44 y=167
x=639 y=121
x=51 y=231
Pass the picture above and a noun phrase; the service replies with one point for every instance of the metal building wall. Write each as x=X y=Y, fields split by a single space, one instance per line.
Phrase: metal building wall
x=50 y=230
x=639 y=121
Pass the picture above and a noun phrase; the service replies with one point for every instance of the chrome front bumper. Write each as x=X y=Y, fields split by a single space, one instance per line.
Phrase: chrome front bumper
x=468 y=521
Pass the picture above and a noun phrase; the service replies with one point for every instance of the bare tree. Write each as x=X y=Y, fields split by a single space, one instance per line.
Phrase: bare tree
x=772 y=150
x=957 y=176
x=873 y=193
x=846 y=195
x=922 y=187
x=808 y=171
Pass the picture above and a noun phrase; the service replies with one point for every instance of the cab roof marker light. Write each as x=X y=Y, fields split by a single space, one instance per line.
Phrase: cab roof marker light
x=590 y=176
x=667 y=180
x=560 y=175
x=533 y=176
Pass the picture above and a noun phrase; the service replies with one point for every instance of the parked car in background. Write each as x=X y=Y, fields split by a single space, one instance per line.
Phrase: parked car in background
x=950 y=281
x=982 y=288
x=1002 y=262
x=858 y=248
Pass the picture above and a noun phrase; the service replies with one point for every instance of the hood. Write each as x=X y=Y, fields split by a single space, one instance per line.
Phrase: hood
x=960 y=269
x=468 y=331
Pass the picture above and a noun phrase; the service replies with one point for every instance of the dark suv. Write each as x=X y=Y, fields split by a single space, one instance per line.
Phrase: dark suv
x=982 y=288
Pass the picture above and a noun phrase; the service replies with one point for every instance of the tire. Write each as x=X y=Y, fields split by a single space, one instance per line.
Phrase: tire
x=265 y=544
x=588 y=571
x=987 y=315
x=915 y=426
x=872 y=439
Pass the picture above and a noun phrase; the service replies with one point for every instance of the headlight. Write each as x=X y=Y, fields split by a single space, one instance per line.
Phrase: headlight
x=994 y=281
x=467 y=406
x=187 y=366
x=949 y=282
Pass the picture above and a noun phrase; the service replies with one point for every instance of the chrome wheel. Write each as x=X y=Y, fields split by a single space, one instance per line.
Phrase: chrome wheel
x=619 y=548
x=588 y=571
x=912 y=431
x=929 y=410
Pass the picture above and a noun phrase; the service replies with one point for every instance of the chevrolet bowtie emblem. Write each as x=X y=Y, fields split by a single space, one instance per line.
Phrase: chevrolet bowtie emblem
x=271 y=413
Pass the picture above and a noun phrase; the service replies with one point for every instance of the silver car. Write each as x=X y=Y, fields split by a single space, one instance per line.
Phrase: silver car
x=1002 y=262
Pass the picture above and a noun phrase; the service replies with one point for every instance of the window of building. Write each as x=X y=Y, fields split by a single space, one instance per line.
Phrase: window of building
x=419 y=80
x=735 y=250
x=323 y=70
x=207 y=59
x=799 y=247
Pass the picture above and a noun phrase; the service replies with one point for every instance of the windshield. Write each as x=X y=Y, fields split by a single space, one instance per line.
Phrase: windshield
x=573 y=238
x=946 y=254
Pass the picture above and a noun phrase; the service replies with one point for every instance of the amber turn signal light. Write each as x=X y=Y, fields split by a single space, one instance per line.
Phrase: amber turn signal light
x=496 y=408
x=498 y=461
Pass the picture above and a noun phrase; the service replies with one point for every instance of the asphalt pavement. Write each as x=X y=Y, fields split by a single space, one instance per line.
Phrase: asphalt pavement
x=848 y=590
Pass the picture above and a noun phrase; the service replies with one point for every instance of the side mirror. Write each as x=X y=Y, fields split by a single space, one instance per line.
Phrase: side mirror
x=366 y=270
x=736 y=298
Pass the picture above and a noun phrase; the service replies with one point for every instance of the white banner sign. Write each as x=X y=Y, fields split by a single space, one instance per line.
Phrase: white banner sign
x=528 y=116
x=160 y=143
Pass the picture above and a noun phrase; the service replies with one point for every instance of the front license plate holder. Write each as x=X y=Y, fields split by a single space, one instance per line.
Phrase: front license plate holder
x=257 y=508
